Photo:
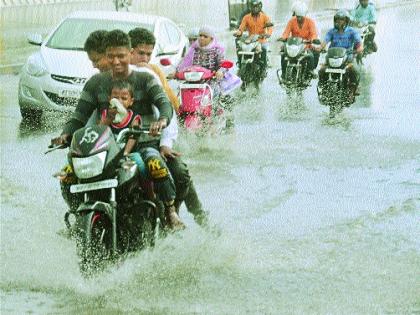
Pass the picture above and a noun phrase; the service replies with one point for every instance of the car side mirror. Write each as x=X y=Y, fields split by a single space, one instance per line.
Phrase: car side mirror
x=34 y=39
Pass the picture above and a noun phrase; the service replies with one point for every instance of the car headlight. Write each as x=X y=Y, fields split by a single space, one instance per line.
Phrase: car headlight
x=35 y=66
x=335 y=62
x=90 y=166
x=293 y=50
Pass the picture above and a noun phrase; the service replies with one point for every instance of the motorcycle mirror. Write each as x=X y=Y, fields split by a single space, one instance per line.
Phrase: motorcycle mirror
x=165 y=62
x=316 y=42
x=268 y=25
x=227 y=64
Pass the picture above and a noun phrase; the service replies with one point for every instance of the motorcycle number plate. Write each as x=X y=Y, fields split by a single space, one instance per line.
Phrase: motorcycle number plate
x=103 y=184
x=69 y=93
x=335 y=70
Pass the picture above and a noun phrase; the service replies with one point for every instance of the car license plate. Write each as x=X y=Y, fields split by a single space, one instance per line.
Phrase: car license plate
x=69 y=93
x=335 y=70
x=108 y=183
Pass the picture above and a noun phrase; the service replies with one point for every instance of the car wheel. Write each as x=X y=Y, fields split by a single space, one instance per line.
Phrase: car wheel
x=30 y=114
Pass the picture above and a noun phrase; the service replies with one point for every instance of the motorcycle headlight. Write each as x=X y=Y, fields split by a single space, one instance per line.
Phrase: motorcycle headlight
x=35 y=66
x=90 y=166
x=193 y=76
x=293 y=50
x=335 y=62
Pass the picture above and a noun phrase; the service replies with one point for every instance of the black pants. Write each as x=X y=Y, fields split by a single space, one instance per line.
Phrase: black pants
x=185 y=190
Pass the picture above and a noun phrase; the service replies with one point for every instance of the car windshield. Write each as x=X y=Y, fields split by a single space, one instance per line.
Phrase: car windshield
x=72 y=33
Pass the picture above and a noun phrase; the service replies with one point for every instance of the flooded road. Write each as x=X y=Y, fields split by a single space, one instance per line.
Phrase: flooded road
x=313 y=216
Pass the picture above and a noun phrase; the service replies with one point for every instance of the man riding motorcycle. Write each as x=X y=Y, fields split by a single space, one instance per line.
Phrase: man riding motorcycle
x=147 y=92
x=255 y=23
x=304 y=27
x=365 y=13
x=342 y=35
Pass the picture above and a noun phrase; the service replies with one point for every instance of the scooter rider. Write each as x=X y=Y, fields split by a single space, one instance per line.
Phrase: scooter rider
x=256 y=24
x=342 y=35
x=146 y=92
x=365 y=13
x=304 y=27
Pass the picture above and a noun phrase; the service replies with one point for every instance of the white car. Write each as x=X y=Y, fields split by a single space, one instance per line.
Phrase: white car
x=53 y=77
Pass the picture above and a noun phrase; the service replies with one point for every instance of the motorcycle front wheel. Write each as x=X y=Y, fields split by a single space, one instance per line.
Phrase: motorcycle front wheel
x=94 y=242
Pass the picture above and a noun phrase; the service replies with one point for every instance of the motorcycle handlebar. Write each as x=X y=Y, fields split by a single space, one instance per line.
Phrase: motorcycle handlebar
x=132 y=132
x=53 y=147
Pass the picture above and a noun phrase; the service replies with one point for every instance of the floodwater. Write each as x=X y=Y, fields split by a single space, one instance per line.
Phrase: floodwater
x=309 y=215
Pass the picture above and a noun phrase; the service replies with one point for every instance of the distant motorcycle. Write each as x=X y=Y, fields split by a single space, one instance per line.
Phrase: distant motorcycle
x=117 y=215
x=335 y=91
x=365 y=31
x=251 y=66
x=297 y=76
x=202 y=108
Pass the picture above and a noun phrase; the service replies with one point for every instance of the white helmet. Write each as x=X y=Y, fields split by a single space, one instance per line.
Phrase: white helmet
x=300 y=9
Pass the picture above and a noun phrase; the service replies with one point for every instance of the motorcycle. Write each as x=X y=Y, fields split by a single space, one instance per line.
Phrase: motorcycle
x=366 y=33
x=251 y=65
x=252 y=68
x=202 y=107
x=297 y=76
x=335 y=91
x=117 y=215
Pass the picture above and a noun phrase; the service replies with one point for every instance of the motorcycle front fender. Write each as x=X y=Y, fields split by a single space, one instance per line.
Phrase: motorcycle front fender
x=87 y=210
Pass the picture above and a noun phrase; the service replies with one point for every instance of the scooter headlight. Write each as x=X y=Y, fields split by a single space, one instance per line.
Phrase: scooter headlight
x=293 y=50
x=90 y=166
x=193 y=76
x=335 y=62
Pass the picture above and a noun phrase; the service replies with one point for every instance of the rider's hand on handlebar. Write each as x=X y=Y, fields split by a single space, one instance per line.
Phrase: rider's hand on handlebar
x=219 y=75
x=157 y=127
x=237 y=33
x=61 y=140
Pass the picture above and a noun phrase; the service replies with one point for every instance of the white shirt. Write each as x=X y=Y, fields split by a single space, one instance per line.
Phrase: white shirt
x=170 y=133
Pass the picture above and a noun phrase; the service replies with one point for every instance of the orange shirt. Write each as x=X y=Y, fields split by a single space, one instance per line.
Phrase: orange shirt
x=308 y=30
x=255 y=25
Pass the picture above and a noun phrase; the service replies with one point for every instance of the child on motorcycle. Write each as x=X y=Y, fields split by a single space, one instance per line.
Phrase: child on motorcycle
x=342 y=35
x=365 y=13
x=304 y=27
x=112 y=117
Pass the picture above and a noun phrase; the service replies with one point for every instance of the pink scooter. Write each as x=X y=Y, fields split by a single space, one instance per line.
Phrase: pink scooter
x=200 y=106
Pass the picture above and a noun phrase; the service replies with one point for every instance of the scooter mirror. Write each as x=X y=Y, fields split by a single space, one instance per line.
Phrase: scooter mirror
x=227 y=64
x=165 y=62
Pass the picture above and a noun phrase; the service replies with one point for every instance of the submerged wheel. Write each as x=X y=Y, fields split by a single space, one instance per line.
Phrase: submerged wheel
x=94 y=242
